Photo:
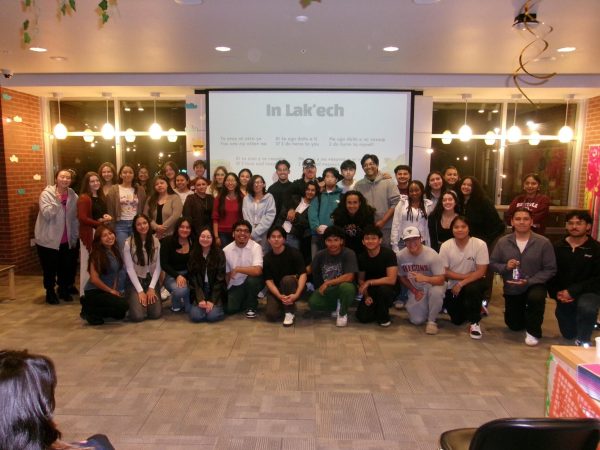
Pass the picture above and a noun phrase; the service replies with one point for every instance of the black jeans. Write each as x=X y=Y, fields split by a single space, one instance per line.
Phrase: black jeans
x=526 y=311
x=379 y=310
x=59 y=266
x=576 y=320
x=467 y=304
x=98 y=304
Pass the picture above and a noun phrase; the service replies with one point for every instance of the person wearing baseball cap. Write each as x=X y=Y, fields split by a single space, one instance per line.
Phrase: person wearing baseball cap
x=309 y=172
x=422 y=272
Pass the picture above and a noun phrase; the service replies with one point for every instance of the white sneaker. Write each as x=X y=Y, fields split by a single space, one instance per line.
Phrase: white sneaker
x=288 y=320
x=310 y=287
x=164 y=294
x=336 y=313
x=399 y=304
x=475 y=331
x=431 y=328
x=341 y=321
x=530 y=340
x=262 y=293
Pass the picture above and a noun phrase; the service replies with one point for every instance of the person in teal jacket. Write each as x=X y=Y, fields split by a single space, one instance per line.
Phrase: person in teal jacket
x=321 y=208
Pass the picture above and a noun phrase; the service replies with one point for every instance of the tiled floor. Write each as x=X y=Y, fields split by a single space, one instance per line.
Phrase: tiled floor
x=247 y=384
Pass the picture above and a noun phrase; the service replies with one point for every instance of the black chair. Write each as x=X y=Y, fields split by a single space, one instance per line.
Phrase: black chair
x=525 y=434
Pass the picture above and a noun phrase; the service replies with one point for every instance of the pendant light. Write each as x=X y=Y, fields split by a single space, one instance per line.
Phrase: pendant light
x=172 y=135
x=60 y=131
x=88 y=135
x=108 y=131
x=130 y=135
x=155 y=129
x=490 y=138
x=534 y=137
x=447 y=139
x=565 y=134
x=465 y=132
x=514 y=133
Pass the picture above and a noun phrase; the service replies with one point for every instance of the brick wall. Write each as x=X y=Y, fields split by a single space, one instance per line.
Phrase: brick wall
x=591 y=137
x=19 y=192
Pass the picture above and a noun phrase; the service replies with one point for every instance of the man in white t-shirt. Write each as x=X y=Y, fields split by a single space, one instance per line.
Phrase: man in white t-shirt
x=422 y=272
x=244 y=263
x=466 y=261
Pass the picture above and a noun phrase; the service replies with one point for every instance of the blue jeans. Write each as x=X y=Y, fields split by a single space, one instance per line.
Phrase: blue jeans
x=123 y=229
x=198 y=314
x=293 y=241
x=180 y=296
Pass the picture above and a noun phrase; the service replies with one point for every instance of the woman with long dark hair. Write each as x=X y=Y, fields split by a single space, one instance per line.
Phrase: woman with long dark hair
x=199 y=206
x=104 y=291
x=466 y=260
x=206 y=269
x=440 y=219
x=182 y=183
x=451 y=178
x=258 y=208
x=245 y=176
x=411 y=211
x=91 y=212
x=27 y=402
x=352 y=215
x=124 y=201
x=434 y=187
x=56 y=236
x=227 y=209
x=174 y=258
x=142 y=262
x=533 y=200
x=163 y=207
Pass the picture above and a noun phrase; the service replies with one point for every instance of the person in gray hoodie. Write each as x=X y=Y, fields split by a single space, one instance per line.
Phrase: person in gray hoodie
x=56 y=236
x=259 y=209
x=526 y=262
x=381 y=193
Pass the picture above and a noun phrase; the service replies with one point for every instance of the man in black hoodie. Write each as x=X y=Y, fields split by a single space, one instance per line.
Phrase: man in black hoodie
x=576 y=286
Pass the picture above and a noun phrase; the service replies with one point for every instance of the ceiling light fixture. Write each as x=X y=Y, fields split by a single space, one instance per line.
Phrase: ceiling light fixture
x=490 y=138
x=38 y=49
x=58 y=58
x=565 y=134
x=514 y=133
x=172 y=135
x=88 y=135
x=302 y=19
x=155 y=129
x=223 y=49
x=465 y=132
x=391 y=48
x=566 y=49
x=130 y=135
x=108 y=131
x=60 y=131
x=534 y=138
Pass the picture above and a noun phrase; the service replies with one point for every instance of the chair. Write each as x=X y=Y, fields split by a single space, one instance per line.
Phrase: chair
x=525 y=434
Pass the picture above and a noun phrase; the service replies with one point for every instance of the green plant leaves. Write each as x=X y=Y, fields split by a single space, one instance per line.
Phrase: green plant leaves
x=72 y=5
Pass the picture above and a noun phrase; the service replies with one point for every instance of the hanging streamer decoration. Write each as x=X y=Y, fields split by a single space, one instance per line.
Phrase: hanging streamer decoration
x=533 y=50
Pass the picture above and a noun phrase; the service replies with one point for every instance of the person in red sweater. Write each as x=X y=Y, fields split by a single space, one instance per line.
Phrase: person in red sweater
x=533 y=200
x=227 y=209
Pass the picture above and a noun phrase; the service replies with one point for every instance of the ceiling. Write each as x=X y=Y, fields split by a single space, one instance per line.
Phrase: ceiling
x=445 y=48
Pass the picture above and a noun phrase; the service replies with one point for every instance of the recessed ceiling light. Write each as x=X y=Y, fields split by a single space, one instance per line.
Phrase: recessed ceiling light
x=390 y=49
x=58 y=58
x=566 y=49
x=38 y=49
x=140 y=109
x=189 y=2
x=223 y=49
x=301 y=19
x=127 y=108
x=425 y=2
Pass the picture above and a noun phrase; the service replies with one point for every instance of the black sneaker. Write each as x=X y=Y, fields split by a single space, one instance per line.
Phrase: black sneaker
x=64 y=294
x=93 y=320
x=250 y=313
x=51 y=297
x=73 y=290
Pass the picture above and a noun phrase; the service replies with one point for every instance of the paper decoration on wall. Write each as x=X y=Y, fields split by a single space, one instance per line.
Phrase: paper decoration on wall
x=18 y=119
x=6 y=97
x=21 y=191
x=14 y=159
x=37 y=177
x=191 y=106
x=35 y=147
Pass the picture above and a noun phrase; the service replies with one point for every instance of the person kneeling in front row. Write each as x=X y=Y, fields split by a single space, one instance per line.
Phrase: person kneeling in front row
x=422 y=272
x=378 y=272
x=285 y=277
x=333 y=272
x=244 y=263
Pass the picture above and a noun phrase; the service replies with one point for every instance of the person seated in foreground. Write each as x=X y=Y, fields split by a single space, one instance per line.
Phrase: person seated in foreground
x=244 y=263
x=285 y=277
x=576 y=285
x=526 y=262
x=466 y=261
x=333 y=272
x=422 y=272
x=377 y=276
x=27 y=385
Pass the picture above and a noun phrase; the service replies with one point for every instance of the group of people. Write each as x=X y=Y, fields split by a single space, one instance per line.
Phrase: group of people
x=217 y=246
